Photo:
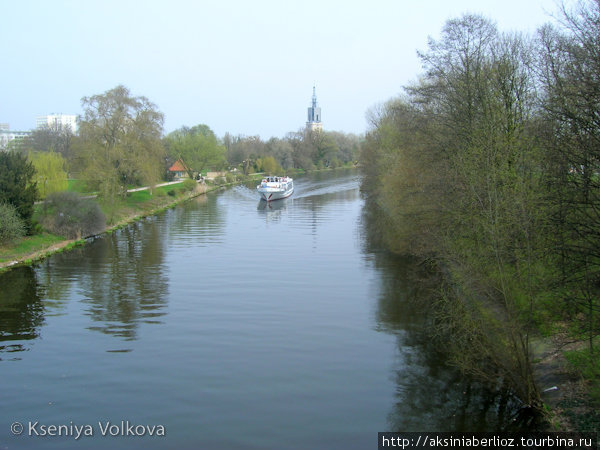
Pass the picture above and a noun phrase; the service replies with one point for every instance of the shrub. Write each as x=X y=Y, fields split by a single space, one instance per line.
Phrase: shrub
x=189 y=185
x=11 y=225
x=18 y=186
x=72 y=216
x=172 y=192
x=229 y=177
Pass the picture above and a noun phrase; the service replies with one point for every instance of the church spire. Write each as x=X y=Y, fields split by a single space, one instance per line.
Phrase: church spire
x=314 y=114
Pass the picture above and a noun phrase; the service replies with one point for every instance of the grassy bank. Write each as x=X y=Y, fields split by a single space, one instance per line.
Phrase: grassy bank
x=29 y=245
x=135 y=206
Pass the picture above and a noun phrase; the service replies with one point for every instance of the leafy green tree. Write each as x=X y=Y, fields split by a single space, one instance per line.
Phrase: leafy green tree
x=18 y=186
x=50 y=174
x=281 y=150
x=405 y=174
x=197 y=147
x=325 y=148
x=303 y=152
x=348 y=145
x=569 y=68
x=269 y=165
x=457 y=172
x=119 y=143
x=242 y=148
x=11 y=225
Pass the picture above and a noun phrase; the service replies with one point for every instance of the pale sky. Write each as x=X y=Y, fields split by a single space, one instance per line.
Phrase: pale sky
x=239 y=66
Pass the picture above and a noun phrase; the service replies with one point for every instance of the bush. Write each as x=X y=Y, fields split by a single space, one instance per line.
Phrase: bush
x=72 y=216
x=172 y=193
x=189 y=185
x=11 y=225
x=229 y=177
x=18 y=186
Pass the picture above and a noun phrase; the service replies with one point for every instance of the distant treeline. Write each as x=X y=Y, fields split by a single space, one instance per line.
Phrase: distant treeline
x=301 y=150
x=488 y=168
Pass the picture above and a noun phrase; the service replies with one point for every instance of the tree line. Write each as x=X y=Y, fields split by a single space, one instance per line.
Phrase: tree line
x=488 y=169
x=121 y=144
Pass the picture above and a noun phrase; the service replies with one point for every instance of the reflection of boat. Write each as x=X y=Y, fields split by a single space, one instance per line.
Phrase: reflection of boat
x=271 y=206
x=274 y=188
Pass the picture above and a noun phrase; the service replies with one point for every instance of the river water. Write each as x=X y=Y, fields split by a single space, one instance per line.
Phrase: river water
x=228 y=323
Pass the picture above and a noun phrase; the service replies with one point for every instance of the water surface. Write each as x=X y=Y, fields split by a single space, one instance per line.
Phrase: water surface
x=233 y=324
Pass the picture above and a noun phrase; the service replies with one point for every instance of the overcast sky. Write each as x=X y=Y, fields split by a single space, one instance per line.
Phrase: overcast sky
x=239 y=66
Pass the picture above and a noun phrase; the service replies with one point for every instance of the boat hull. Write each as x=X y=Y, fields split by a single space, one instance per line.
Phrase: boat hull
x=270 y=194
x=275 y=188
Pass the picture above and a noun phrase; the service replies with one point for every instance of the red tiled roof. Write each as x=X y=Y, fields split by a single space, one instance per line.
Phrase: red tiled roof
x=178 y=166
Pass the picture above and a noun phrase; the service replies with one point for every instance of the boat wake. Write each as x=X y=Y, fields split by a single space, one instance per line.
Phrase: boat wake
x=325 y=188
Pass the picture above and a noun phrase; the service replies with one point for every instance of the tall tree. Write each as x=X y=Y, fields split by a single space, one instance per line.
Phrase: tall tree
x=18 y=186
x=53 y=138
x=455 y=166
x=281 y=150
x=570 y=74
x=120 y=142
x=197 y=147
x=243 y=149
x=324 y=145
x=50 y=174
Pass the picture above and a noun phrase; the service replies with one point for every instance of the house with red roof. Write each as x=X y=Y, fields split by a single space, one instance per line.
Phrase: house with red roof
x=179 y=169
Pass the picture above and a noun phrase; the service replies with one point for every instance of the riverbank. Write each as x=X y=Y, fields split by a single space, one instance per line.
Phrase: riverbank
x=38 y=247
x=143 y=204
x=570 y=400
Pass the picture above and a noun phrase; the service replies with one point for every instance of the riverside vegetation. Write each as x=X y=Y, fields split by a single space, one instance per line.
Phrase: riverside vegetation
x=120 y=146
x=65 y=218
x=487 y=169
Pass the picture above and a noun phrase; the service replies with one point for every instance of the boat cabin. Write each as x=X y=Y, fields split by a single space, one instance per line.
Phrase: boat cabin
x=274 y=180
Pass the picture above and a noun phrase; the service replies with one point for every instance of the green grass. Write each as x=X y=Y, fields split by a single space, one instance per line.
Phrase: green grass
x=135 y=206
x=165 y=189
x=28 y=244
x=77 y=186
x=138 y=197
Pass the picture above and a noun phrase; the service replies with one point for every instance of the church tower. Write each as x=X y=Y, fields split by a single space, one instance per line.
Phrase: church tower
x=314 y=115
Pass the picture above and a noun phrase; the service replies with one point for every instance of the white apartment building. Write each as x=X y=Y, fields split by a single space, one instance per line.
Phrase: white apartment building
x=6 y=135
x=52 y=120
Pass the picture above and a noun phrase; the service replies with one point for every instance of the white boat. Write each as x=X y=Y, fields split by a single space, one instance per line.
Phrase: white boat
x=274 y=188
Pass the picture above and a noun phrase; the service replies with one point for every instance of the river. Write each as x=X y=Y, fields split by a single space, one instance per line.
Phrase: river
x=227 y=323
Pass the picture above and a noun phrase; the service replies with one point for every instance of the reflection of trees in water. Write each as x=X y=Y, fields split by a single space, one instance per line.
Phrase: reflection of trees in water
x=199 y=220
x=430 y=395
x=50 y=274
x=122 y=279
x=21 y=311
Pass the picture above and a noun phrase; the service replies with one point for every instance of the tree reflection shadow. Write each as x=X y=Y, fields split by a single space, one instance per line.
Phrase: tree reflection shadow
x=430 y=394
x=123 y=281
x=21 y=310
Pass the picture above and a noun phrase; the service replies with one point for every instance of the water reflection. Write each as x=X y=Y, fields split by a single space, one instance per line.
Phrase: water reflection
x=430 y=395
x=119 y=278
x=273 y=211
x=196 y=221
x=21 y=310
x=123 y=283
x=324 y=355
x=272 y=206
